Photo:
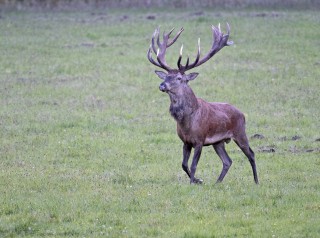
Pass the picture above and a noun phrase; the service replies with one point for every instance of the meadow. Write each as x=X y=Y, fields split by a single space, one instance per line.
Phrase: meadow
x=89 y=149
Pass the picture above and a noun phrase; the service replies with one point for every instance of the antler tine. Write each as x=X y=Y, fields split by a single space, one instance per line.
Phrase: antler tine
x=198 y=55
x=187 y=66
x=228 y=33
x=169 y=33
x=228 y=29
x=216 y=34
x=158 y=38
x=162 y=61
x=149 y=55
x=156 y=32
x=197 y=58
x=176 y=37
x=165 y=38
x=180 y=57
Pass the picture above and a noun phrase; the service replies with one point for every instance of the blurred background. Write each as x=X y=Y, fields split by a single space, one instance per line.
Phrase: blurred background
x=56 y=4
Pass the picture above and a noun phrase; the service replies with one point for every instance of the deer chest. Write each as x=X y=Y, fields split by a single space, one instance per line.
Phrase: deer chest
x=177 y=112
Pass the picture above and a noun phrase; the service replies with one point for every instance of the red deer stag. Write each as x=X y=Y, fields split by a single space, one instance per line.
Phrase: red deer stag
x=200 y=123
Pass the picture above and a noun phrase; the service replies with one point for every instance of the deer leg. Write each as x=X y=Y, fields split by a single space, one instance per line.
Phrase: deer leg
x=195 y=160
x=226 y=161
x=244 y=146
x=186 y=155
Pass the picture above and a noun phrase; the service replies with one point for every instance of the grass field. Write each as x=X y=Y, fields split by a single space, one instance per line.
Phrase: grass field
x=89 y=149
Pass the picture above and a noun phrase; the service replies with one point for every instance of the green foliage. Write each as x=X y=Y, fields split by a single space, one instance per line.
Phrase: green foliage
x=88 y=148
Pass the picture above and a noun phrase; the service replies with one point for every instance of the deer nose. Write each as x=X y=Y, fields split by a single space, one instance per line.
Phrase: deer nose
x=162 y=87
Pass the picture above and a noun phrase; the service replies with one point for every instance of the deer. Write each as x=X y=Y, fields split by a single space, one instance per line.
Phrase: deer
x=199 y=123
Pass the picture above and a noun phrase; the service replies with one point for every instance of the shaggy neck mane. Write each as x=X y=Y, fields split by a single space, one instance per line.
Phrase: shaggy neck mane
x=183 y=104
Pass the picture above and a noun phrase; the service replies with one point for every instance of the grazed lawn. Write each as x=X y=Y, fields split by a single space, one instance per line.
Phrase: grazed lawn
x=88 y=147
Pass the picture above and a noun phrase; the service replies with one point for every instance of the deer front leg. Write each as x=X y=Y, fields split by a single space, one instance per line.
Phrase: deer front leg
x=186 y=155
x=196 y=157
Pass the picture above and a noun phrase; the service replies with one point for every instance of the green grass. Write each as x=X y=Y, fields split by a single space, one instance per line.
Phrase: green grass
x=89 y=149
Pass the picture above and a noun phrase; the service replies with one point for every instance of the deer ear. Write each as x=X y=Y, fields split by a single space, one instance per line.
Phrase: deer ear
x=192 y=76
x=161 y=74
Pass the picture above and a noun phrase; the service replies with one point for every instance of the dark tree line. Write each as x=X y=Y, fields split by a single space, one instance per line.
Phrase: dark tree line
x=295 y=4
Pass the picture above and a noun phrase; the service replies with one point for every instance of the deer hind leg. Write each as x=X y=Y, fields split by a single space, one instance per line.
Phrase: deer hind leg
x=221 y=151
x=244 y=146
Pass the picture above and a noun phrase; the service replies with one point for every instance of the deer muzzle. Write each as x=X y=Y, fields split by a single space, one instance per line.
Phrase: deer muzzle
x=163 y=87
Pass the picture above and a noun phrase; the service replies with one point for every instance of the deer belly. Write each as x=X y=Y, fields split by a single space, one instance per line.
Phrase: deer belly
x=216 y=138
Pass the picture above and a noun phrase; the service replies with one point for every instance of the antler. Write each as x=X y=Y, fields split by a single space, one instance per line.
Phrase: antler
x=219 y=41
x=162 y=47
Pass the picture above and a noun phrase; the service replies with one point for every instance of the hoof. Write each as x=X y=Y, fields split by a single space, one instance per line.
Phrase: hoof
x=218 y=181
x=196 y=181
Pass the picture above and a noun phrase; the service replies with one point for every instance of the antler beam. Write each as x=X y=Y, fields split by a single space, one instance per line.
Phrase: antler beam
x=220 y=40
x=162 y=47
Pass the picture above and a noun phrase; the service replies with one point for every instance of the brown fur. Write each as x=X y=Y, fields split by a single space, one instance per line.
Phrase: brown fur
x=200 y=123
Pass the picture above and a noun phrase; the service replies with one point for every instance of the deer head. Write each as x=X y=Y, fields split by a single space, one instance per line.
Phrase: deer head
x=175 y=78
